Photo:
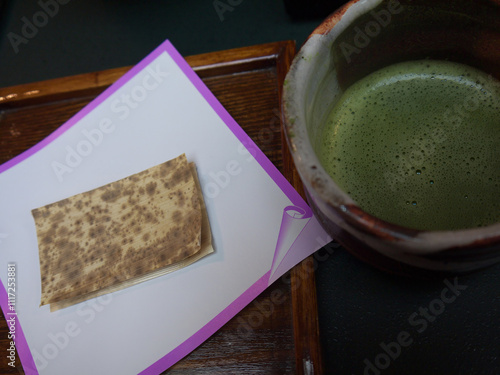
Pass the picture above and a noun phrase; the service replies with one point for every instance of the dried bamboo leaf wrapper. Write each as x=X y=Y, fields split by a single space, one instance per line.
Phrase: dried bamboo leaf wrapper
x=119 y=232
x=206 y=248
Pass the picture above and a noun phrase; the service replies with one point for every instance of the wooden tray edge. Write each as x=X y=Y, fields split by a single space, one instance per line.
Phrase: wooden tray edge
x=208 y=64
x=308 y=352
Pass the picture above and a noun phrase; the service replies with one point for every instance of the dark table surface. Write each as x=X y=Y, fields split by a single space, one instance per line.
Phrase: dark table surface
x=371 y=322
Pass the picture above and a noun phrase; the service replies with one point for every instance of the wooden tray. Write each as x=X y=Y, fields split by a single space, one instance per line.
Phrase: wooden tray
x=278 y=332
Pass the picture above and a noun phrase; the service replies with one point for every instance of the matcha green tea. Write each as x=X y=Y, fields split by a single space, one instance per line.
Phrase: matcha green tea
x=418 y=144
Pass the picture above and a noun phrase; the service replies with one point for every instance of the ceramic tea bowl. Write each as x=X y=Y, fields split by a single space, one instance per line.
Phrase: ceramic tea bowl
x=359 y=38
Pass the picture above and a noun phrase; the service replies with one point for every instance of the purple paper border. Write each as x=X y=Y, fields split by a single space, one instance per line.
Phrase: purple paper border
x=211 y=327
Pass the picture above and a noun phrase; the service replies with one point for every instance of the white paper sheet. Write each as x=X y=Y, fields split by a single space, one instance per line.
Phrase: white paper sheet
x=157 y=111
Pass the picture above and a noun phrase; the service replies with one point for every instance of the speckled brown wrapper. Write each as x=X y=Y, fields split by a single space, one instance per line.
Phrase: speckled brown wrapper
x=129 y=231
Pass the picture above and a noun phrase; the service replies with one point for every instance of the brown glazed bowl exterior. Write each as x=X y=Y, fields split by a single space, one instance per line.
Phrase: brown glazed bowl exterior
x=359 y=38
